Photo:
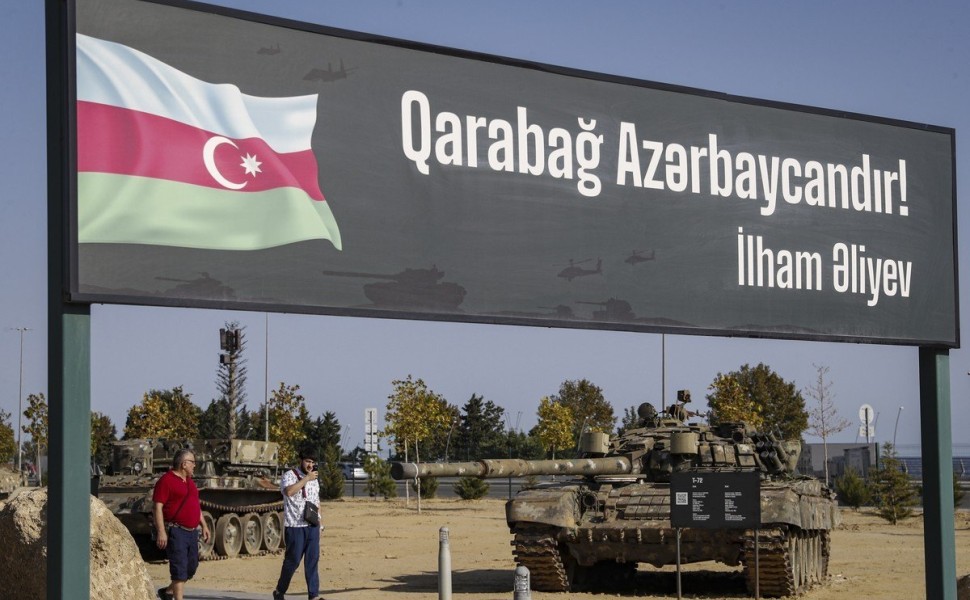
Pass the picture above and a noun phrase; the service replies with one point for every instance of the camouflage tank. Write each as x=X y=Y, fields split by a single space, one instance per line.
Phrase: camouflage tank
x=593 y=529
x=238 y=483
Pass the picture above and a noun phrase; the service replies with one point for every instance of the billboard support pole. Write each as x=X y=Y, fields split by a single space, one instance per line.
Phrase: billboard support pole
x=68 y=345
x=937 y=454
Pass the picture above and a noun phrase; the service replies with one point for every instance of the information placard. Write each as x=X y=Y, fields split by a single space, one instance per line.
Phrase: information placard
x=716 y=500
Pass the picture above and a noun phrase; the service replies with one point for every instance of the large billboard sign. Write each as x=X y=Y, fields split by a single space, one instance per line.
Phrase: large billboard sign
x=230 y=160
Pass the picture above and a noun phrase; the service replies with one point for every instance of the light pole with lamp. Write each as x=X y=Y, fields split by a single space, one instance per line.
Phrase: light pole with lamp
x=20 y=403
x=899 y=412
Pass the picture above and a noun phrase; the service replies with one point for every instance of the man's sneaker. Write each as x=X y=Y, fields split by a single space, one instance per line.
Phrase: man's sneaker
x=278 y=595
x=164 y=594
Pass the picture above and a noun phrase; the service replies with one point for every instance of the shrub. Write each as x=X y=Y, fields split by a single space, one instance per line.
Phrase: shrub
x=894 y=493
x=852 y=489
x=379 y=482
x=471 y=488
x=429 y=487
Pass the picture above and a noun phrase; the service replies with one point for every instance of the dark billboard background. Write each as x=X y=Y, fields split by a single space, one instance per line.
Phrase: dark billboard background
x=486 y=245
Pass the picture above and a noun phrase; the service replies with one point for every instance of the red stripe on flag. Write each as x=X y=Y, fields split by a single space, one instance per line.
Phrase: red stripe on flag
x=127 y=142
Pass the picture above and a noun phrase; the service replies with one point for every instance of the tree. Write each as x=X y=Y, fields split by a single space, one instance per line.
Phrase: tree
x=630 y=420
x=103 y=432
x=480 y=434
x=590 y=410
x=231 y=376
x=958 y=492
x=895 y=494
x=323 y=433
x=331 y=477
x=38 y=422
x=852 y=489
x=759 y=397
x=163 y=414
x=379 y=482
x=288 y=421
x=555 y=425
x=823 y=416
x=415 y=413
x=8 y=441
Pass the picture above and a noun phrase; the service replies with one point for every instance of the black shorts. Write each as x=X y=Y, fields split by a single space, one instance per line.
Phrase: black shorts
x=183 y=553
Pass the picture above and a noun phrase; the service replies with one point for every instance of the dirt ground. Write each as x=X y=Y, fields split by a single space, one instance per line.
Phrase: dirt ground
x=374 y=549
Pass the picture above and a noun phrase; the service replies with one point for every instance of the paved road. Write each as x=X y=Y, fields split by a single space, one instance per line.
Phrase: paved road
x=497 y=488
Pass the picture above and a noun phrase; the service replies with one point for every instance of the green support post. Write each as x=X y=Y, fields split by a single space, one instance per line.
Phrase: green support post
x=939 y=543
x=69 y=470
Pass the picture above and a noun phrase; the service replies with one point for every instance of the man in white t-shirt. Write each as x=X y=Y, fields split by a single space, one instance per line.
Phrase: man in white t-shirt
x=298 y=487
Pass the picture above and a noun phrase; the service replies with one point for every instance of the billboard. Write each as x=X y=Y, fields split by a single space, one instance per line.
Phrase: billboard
x=225 y=159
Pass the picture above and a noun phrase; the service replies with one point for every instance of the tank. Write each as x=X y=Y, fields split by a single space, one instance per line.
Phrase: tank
x=611 y=509
x=238 y=483
x=411 y=288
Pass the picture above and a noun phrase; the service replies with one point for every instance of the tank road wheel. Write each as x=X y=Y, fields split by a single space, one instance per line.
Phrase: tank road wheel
x=229 y=535
x=272 y=522
x=252 y=529
x=791 y=561
x=205 y=546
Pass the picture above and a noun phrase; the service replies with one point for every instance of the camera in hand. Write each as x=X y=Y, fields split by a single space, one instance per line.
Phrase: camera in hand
x=315 y=468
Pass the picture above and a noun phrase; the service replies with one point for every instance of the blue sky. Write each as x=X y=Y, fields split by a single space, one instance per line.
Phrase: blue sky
x=900 y=60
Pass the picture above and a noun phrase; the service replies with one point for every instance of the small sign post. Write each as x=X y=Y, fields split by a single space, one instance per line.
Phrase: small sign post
x=716 y=501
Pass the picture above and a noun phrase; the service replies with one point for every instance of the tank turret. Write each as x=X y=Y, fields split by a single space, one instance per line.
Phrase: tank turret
x=612 y=511
x=238 y=483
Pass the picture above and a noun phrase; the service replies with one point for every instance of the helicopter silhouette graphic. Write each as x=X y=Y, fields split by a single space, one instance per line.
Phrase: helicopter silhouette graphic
x=638 y=256
x=573 y=271
x=275 y=49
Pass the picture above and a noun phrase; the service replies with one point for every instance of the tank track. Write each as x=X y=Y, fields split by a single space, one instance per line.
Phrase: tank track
x=537 y=549
x=240 y=510
x=249 y=508
x=791 y=560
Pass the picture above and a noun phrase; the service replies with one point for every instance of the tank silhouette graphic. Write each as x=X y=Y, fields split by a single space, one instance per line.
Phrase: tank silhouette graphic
x=612 y=511
x=203 y=286
x=410 y=289
x=613 y=310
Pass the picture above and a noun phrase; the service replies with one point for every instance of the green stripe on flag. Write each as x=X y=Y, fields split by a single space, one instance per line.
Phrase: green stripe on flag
x=121 y=209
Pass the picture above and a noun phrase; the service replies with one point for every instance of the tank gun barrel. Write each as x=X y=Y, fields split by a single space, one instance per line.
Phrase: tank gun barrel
x=359 y=275
x=514 y=467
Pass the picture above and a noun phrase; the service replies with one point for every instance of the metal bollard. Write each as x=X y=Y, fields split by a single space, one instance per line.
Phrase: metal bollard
x=444 y=565
x=522 y=587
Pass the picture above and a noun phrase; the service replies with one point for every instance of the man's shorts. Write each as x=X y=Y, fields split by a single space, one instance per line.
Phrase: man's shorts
x=183 y=553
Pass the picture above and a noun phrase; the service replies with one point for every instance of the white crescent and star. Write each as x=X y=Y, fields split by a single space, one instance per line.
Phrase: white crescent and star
x=249 y=162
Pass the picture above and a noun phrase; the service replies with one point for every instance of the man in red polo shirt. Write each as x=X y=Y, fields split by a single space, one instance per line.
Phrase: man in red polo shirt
x=178 y=516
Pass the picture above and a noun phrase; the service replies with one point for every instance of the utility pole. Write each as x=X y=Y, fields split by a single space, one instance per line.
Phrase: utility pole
x=20 y=403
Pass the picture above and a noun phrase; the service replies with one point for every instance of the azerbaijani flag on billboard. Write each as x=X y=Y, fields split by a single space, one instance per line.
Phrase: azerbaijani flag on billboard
x=166 y=159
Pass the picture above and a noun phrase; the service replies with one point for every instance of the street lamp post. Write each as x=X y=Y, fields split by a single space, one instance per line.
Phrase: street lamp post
x=20 y=404
x=899 y=412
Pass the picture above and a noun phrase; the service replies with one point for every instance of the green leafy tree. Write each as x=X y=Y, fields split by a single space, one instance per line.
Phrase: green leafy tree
x=379 y=482
x=163 y=414
x=8 y=441
x=894 y=493
x=231 y=379
x=823 y=416
x=555 y=427
x=288 y=421
x=588 y=407
x=761 y=398
x=471 y=488
x=38 y=423
x=331 y=477
x=480 y=434
x=852 y=489
x=415 y=413
x=103 y=433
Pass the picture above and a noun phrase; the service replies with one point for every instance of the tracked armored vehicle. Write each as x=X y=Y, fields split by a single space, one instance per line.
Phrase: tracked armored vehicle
x=592 y=530
x=238 y=483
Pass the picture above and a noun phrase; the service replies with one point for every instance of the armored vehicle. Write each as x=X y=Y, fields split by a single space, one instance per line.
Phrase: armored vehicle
x=592 y=529
x=238 y=485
